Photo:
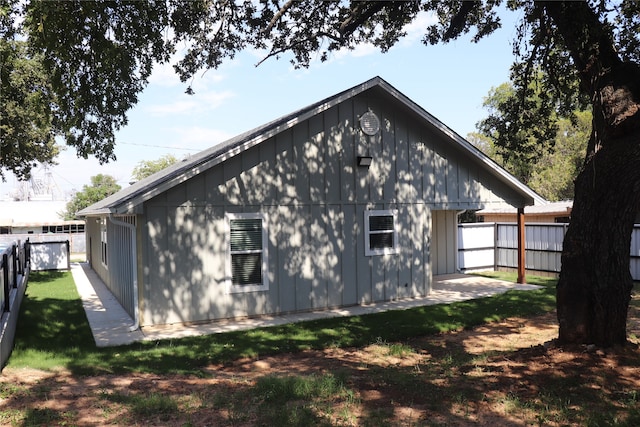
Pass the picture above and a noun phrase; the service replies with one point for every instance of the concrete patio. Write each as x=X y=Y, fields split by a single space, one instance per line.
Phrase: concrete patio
x=111 y=325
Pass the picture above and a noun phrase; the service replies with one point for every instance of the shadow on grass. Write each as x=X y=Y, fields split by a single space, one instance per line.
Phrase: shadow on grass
x=448 y=383
x=449 y=386
x=47 y=325
x=52 y=327
x=528 y=389
x=46 y=276
x=53 y=330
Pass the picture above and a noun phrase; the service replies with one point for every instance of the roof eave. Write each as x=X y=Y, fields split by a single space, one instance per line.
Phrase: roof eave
x=530 y=197
x=133 y=203
x=86 y=213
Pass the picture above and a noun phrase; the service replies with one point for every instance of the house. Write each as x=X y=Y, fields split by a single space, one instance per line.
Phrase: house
x=351 y=200
x=552 y=212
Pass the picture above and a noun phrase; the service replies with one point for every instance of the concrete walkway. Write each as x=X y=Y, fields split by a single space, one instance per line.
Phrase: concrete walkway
x=111 y=325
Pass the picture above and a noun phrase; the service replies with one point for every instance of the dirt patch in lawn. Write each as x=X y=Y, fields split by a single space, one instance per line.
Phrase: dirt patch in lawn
x=504 y=374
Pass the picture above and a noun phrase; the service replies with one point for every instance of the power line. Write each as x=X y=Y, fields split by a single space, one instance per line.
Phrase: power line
x=160 y=146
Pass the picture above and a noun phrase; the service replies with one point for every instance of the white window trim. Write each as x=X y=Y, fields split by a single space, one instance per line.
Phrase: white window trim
x=104 y=243
x=231 y=288
x=367 y=232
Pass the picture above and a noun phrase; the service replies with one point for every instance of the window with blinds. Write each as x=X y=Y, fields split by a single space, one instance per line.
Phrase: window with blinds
x=247 y=252
x=381 y=236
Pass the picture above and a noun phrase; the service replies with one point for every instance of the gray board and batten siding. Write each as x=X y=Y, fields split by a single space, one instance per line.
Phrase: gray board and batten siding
x=298 y=177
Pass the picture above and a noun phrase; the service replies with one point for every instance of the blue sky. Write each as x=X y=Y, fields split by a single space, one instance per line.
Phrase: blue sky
x=449 y=81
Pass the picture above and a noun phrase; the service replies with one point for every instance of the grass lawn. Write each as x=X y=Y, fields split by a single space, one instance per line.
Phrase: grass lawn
x=53 y=331
x=384 y=369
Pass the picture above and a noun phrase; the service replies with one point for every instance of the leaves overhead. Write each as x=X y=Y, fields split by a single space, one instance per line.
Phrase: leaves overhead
x=27 y=114
x=310 y=29
x=99 y=54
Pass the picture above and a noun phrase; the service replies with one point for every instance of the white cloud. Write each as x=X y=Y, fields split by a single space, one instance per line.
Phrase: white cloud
x=361 y=50
x=197 y=103
x=416 y=28
x=178 y=107
x=164 y=75
x=200 y=137
x=205 y=79
x=216 y=99
x=72 y=173
x=415 y=31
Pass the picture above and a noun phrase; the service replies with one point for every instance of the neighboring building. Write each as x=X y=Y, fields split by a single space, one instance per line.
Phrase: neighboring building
x=351 y=200
x=36 y=217
x=556 y=212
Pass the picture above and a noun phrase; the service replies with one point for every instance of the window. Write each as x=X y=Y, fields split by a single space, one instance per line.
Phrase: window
x=247 y=253
x=103 y=241
x=380 y=232
x=65 y=228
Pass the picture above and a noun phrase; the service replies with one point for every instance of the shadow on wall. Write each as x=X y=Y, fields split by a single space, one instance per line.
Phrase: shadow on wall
x=306 y=183
x=50 y=255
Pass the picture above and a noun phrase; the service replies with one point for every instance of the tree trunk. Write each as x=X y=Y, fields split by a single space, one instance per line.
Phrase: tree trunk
x=594 y=288
x=595 y=283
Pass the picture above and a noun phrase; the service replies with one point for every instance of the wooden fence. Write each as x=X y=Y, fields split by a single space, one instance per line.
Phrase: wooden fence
x=494 y=246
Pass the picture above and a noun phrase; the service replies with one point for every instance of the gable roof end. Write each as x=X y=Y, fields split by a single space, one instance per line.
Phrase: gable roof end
x=129 y=199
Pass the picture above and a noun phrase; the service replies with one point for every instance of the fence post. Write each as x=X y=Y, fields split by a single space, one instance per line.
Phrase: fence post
x=5 y=273
x=68 y=255
x=521 y=247
x=19 y=258
x=495 y=246
x=14 y=261
x=27 y=253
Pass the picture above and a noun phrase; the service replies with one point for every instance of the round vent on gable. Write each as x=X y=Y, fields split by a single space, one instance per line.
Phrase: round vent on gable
x=369 y=123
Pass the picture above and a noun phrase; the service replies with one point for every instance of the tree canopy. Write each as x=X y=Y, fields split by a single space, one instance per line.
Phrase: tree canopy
x=147 y=168
x=98 y=55
x=96 y=58
x=547 y=160
x=556 y=170
x=101 y=187
x=27 y=116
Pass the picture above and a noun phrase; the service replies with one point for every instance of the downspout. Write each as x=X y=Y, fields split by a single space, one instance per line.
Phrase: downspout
x=134 y=270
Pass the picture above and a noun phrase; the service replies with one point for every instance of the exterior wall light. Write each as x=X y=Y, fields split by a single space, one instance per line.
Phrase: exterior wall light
x=364 y=161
